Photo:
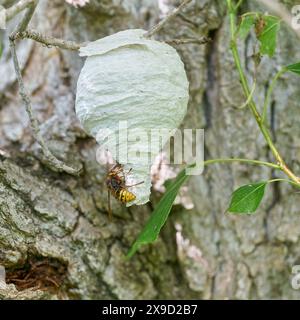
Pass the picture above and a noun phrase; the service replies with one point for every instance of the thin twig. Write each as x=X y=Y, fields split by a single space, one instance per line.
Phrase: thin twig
x=27 y=17
x=17 y=8
x=47 y=40
x=52 y=161
x=172 y=14
x=202 y=40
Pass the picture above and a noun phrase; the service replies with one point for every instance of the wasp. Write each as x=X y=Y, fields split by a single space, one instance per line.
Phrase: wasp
x=116 y=185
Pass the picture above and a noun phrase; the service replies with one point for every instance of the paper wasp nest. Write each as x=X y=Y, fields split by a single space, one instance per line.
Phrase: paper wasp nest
x=136 y=82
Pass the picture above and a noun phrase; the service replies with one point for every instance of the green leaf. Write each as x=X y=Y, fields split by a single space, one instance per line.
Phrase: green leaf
x=246 y=25
x=294 y=68
x=246 y=199
x=160 y=214
x=267 y=28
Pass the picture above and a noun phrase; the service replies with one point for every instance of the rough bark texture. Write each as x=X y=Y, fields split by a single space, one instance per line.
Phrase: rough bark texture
x=58 y=224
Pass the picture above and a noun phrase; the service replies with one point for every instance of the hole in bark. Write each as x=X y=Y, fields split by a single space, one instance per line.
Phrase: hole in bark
x=38 y=273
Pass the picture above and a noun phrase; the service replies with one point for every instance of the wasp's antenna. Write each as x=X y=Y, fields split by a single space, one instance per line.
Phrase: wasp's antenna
x=133 y=185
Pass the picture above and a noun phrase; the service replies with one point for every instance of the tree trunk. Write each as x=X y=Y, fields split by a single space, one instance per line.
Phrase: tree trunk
x=55 y=237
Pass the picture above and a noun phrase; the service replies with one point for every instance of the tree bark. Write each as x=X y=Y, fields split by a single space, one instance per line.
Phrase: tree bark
x=55 y=237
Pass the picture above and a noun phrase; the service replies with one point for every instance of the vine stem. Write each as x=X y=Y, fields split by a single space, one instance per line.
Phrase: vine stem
x=270 y=90
x=283 y=180
x=245 y=104
x=252 y=105
x=238 y=4
x=249 y=161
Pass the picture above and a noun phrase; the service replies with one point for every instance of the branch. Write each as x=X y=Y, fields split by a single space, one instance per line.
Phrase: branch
x=48 y=41
x=52 y=161
x=27 y=17
x=202 y=40
x=17 y=8
x=172 y=14
x=270 y=91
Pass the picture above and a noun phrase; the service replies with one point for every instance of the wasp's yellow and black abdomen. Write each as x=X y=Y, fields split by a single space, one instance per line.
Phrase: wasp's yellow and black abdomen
x=126 y=196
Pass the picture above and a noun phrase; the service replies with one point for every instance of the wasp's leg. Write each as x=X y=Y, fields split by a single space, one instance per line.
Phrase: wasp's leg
x=114 y=166
x=117 y=168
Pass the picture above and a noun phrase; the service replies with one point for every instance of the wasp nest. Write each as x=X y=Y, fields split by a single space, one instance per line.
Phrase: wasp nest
x=136 y=83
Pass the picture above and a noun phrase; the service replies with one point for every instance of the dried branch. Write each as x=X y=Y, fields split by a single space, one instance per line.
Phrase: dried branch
x=52 y=161
x=18 y=7
x=172 y=14
x=46 y=40
x=27 y=17
x=202 y=40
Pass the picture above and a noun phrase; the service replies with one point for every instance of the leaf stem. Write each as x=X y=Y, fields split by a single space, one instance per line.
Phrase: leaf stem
x=250 y=13
x=269 y=93
x=252 y=105
x=284 y=180
x=249 y=161
x=246 y=103
x=238 y=4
